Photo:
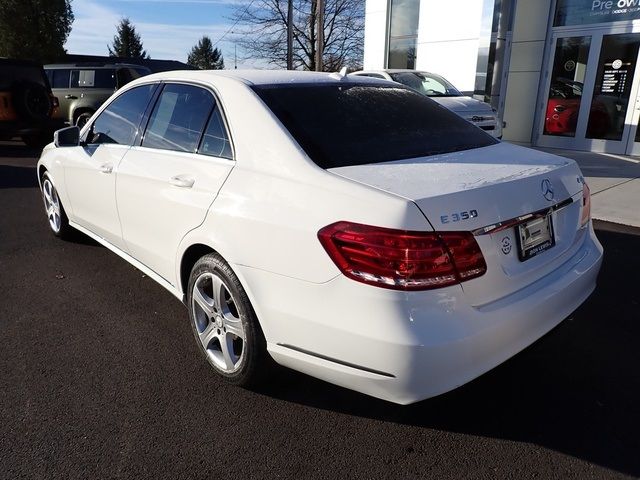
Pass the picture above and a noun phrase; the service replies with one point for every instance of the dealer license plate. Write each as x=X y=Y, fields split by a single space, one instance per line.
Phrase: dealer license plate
x=534 y=237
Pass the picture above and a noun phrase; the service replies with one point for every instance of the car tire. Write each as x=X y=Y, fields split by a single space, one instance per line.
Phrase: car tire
x=225 y=325
x=82 y=119
x=56 y=216
x=32 y=102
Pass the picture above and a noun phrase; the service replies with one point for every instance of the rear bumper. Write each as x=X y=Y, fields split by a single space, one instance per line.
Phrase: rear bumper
x=405 y=347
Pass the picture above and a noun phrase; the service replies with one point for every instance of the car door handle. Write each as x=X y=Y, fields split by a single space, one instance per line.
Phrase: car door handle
x=70 y=97
x=182 y=181
x=106 y=168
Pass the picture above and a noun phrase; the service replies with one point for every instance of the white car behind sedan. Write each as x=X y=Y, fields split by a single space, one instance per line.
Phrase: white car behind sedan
x=440 y=90
x=346 y=227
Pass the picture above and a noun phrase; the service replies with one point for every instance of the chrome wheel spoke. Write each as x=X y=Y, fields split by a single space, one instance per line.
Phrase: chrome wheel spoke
x=229 y=357
x=234 y=326
x=208 y=334
x=218 y=292
x=203 y=301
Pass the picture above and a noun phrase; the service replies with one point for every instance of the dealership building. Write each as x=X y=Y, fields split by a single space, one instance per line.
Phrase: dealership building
x=560 y=73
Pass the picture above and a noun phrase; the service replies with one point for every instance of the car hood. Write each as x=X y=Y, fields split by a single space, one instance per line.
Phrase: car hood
x=463 y=104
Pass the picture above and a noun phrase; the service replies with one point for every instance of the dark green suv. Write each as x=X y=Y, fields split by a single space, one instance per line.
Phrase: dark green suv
x=82 y=88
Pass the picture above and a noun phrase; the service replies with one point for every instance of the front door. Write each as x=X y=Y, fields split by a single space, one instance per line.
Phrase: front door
x=91 y=184
x=591 y=92
x=90 y=169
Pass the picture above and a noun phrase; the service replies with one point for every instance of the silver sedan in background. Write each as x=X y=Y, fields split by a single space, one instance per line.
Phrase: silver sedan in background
x=442 y=91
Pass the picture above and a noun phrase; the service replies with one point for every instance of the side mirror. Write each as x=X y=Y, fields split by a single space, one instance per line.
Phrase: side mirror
x=67 y=137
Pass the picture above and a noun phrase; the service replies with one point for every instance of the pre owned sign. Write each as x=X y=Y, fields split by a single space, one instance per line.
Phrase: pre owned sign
x=609 y=4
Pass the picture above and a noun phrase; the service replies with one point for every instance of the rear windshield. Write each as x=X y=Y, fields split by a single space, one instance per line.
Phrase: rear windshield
x=356 y=124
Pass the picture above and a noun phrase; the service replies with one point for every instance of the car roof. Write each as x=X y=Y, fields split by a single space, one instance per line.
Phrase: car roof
x=397 y=70
x=260 y=77
x=53 y=66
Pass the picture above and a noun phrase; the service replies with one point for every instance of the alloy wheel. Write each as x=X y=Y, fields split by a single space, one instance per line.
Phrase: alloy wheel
x=217 y=322
x=52 y=205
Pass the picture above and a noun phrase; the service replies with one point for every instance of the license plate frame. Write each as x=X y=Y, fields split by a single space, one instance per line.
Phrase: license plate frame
x=535 y=236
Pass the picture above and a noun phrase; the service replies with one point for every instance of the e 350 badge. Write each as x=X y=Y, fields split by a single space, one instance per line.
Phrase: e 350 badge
x=458 y=216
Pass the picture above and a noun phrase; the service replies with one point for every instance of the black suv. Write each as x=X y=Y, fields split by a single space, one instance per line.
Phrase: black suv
x=27 y=104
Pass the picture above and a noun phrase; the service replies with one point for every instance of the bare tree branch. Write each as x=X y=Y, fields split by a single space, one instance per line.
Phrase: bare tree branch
x=262 y=33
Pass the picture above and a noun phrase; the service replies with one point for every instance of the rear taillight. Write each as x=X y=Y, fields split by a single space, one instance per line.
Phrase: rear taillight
x=586 y=205
x=400 y=259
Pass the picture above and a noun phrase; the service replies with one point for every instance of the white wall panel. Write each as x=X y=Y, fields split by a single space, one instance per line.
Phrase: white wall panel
x=455 y=60
x=375 y=29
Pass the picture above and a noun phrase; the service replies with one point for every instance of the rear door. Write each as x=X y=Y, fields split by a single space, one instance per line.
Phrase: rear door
x=167 y=183
x=90 y=169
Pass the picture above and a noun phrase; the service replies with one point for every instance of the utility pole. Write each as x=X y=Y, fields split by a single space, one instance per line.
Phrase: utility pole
x=290 y=36
x=319 y=33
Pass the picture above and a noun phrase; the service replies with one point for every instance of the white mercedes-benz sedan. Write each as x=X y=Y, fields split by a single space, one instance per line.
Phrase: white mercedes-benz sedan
x=346 y=227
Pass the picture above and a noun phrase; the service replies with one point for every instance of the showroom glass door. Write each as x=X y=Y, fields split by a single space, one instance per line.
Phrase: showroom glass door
x=592 y=87
x=633 y=146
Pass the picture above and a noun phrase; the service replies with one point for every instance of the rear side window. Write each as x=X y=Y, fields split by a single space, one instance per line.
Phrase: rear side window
x=119 y=122
x=101 y=78
x=58 y=78
x=178 y=118
x=215 y=141
x=346 y=124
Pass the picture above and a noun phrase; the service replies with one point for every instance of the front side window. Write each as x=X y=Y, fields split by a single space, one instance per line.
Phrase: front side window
x=178 y=118
x=119 y=122
x=427 y=84
x=356 y=124
x=403 y=33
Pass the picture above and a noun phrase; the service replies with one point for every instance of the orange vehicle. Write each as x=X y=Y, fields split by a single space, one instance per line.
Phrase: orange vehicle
x=26 y=103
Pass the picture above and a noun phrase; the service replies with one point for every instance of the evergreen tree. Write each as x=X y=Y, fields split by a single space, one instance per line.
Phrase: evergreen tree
x=204 y=56
x=127 y=42
x=34 y=29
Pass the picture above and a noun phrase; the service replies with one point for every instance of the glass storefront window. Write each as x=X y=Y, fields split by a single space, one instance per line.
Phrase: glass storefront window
x=404 y=18
x=582 y=12
x=403 y=33
x=612 y=88
x=402 y=53
x=567 y=82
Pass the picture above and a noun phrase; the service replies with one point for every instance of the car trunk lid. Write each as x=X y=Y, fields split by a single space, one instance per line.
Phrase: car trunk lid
x=480 y=190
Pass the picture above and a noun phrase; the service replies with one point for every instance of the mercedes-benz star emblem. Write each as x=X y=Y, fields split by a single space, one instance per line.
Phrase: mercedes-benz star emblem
x=547 y=189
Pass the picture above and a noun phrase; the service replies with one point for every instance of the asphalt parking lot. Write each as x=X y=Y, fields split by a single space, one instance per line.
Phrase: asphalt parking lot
x=101 y=378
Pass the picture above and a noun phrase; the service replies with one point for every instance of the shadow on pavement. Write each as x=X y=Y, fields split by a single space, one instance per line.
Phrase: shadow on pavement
x=18 y=150
x=575 y=391
x=17 y=177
